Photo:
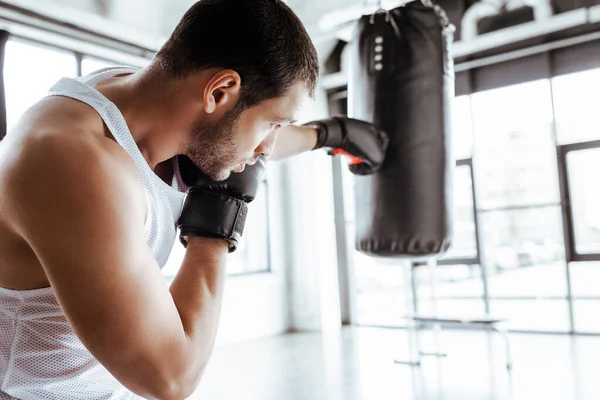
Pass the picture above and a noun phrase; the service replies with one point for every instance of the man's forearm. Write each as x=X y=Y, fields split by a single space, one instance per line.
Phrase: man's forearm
x=198 y=292
x=293 y=140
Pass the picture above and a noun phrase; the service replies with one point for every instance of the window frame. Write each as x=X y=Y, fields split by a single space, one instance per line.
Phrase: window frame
x=570 y=239
x=477 y=259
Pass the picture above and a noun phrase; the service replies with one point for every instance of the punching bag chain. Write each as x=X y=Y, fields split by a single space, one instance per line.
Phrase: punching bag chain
x=446 y=24
x=380 y=10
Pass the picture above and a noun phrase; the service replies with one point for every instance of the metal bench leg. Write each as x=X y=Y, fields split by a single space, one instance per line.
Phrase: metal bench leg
x=504 y=333
x=414 y=349
x=437 y=328
x=414 y=359
x=438 y=352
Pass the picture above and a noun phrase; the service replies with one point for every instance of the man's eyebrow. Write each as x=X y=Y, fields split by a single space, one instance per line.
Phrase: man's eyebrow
x=284 y=120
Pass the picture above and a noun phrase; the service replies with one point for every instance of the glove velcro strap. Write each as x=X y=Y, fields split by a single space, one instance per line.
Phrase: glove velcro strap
x=330 y=133
x=216 y=215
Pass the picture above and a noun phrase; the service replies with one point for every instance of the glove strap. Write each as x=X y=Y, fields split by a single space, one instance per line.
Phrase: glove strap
x=214 y=215
x=330 y=133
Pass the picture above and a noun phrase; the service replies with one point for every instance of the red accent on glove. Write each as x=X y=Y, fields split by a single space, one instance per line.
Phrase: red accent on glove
x=353 y=160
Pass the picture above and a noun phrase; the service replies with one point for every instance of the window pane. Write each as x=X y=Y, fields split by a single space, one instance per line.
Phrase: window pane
x=584 y=188
x=464 y=241
x=348 y=184
x=459 y=290
x=542 y=280
x=338 y=102
x=524 y=252
x=25 y=81
x=462 y=127
x=452 y=281
x=452 y=308
x=533 y=315
x=576 y=99
x=379 y=291
x=586 y=315
x=512 y=108
x=89 y=65
x=252 y=254
x=584 y=279
x=515 y=155
x=175 y=259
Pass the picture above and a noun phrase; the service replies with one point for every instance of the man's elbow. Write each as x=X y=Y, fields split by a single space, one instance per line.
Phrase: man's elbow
x=169 y=387
x=174 y=390
x=171 y=383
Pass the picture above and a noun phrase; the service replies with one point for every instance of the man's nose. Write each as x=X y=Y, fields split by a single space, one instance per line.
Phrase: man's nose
x=266 y=147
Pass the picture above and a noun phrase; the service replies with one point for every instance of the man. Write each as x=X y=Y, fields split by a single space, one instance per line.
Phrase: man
x=91 y=195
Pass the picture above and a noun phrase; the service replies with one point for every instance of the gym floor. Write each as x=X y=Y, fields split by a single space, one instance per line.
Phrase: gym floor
x=358 y=364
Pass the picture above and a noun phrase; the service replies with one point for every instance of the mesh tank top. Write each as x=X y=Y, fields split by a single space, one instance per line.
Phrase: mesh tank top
x=40 y=355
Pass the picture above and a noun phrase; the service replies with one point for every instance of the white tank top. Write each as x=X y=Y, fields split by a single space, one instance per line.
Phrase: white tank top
x=40 y=355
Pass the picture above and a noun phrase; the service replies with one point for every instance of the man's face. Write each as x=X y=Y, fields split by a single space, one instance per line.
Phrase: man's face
x=239 y=138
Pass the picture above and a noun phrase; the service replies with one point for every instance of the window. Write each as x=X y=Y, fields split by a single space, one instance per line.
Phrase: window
x=459 y=290
x=519 y=205
x=586 y=295
x=89 y=65
x=515 y=159
x=528 y=239
x=25 y=81
x=253 y=252
x=581 y=161
x=462 y=128
x=584 y=187
x=464 y=238
x=576 y=99
x=464 y=235
x=380 y=290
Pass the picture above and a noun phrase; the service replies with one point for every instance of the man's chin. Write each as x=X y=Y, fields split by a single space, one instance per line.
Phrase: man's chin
x=226 y=173
x=222 y=175
x=239 y=168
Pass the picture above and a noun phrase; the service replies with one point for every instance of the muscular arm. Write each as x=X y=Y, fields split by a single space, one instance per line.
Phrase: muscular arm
x=84 y=219
x=293 y=140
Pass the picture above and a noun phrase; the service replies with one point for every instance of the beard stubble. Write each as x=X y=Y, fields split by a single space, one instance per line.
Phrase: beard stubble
x=212 y=146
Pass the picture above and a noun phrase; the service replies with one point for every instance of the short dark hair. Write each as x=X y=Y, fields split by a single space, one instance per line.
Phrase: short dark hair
x=262 y=40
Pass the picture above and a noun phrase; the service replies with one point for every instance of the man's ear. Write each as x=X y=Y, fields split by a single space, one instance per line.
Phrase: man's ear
x=222 y=91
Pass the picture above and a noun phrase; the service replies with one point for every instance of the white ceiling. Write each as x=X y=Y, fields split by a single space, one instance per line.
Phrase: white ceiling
x=310 y=11
x=159 y=17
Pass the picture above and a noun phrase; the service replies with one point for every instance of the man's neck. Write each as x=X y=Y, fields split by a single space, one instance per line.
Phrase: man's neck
x=145 y=105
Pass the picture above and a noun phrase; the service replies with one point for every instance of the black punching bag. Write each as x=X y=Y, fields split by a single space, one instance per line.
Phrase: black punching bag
x=402 y=80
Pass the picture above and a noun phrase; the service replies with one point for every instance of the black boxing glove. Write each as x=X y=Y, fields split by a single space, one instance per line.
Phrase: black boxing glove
x=217 y=209
x=363 y=142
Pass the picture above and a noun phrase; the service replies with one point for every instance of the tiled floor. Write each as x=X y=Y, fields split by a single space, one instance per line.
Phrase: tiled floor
x=357 y=363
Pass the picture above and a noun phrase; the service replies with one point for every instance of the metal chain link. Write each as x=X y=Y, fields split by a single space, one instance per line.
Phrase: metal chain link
x=380 y=10
x=440 y=12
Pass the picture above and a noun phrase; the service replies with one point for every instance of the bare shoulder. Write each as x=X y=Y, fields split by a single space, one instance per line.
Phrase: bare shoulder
x=60 y=144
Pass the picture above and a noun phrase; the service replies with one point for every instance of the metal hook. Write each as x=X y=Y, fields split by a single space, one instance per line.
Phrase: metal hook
x=387 y=16
x=380 y=10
